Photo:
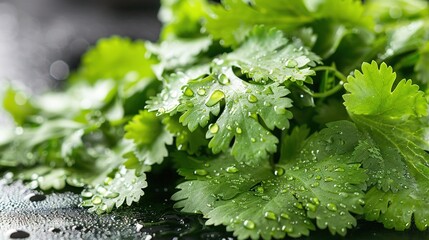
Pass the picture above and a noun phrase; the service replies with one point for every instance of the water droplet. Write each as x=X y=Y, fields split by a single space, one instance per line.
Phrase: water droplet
x=223 y=79
x=287 y=229
x=260 y=189
x=97 y=200
x=252 y=98
x=361 y=201
x=310 y=207
x=112 y=194
x=214 y=128
x=238 y=130
x=252 y=140
x=315 y=184
x=249 y=224
x=200 y=172
x=188 y=92
x=315 y=201
x=36 y=197
x=18 y=234
x=290 y=178
x=270 y=215
x=298 y=205
x=86 y=194
x=279 y=110
x=328 y=179
x=201 y=91
x=339 y=169
x=232 y=169
x=318 y=177
x=291 y=63
x=285 y=216
x=101 y=190
x=216 y=97
x=331 y=207
x=279 y=171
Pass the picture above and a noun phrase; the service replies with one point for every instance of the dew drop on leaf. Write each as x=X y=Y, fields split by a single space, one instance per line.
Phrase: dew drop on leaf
x=285 y=216
x=188 y=92
x=200 y=172
x=331 y=207
x=279 y=171
x=96 y=200
x=315 y=184
x=252 y=98
x=279 y=110
x=291 y=63
x=328 y=179
x=287 y=229
x=201 y=91
x=298 y=205
x=232 y=169
x=238 y=130
x=223 y=79
x=315 y=201
x=112 y=195
x=214 y=128
x=249 y=224
x=270 y=215
x=252 y=115
x=260 y=189
x=310 y=207
x=87 y=194
x=216 y=97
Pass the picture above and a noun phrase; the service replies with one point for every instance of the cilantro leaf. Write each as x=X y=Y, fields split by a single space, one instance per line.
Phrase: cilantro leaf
x=192 y=142
x=267 y=54
x=182 y=18
x=174 y=54
x=287 y=197
x=167 y=101
x=394 y=118
x=125 y=187
x=113 y=58
x=371 y=94
x=244 y=103
x=149 y=136
x=232 y=20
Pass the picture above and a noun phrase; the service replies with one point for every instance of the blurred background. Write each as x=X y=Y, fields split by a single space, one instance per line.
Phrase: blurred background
x=41 y=41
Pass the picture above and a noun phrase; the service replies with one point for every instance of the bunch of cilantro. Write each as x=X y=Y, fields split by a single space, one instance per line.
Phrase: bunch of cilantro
x=282 y=116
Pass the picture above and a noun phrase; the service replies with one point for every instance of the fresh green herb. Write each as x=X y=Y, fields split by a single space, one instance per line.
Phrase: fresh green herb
x=282 y=117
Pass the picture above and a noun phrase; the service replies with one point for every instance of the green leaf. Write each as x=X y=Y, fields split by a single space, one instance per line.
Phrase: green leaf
x=113 y=58
x=17 y=103
x=182 y=18
x=232 y=20
x=192 y=142
x=246 y=112
x=167 y=101
x=372 y=93
x=178 y=53
x=125 y=187
x=267 y=54
x=149 y=136
x=322 y=184
x=394 y=118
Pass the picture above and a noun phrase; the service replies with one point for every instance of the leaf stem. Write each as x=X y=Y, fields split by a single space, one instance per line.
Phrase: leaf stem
x=338 y=74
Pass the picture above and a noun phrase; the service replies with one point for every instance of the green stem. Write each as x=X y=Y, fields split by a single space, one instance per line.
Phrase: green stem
x=338 y=74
